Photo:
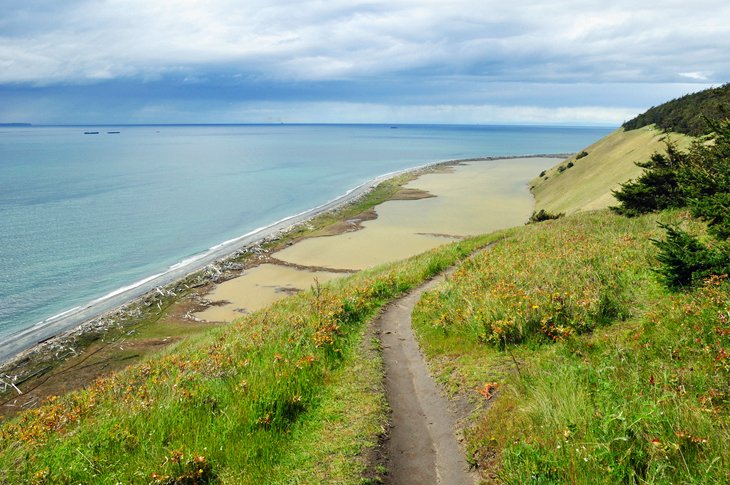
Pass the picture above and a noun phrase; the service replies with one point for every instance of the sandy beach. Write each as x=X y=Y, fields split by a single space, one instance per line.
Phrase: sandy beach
x=461 y=200
x=444 y=203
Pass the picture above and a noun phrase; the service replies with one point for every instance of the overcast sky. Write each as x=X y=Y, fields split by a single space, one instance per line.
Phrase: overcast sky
x=447 y=61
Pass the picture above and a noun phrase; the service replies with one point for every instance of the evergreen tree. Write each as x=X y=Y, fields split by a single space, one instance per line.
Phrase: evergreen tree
x=685 y=260
x=655 y=189
x=705 y=180
x=699 y=180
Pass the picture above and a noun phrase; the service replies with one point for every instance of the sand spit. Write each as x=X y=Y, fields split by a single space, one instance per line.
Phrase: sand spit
x=446 y=202
x=446 y=205
x=472 y=198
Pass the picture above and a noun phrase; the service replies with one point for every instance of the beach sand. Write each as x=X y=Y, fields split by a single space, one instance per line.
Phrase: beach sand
x=472 y=198
x=258 y=288
x=466 y=199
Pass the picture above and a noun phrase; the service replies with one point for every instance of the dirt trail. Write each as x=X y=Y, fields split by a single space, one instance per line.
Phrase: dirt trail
x=422 y=447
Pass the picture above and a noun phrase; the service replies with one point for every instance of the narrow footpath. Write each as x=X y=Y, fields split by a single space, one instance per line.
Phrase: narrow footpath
x=422 y=447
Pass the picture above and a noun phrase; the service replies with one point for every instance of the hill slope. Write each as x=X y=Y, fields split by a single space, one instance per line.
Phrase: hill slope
x=687 y=114
x=585 y=368
x=585 y=182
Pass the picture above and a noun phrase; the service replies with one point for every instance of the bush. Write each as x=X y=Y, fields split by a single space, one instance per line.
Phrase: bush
x=656 y=189
x=699 y=180
x=685 y=260
x=543 y=215
x=582 y=154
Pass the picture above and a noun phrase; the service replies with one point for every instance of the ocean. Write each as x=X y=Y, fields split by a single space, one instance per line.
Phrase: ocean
x=85 y=216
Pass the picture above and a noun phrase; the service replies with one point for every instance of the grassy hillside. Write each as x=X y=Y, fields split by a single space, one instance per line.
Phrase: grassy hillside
x=585 y=182
x=290 y=394
x=585 y=368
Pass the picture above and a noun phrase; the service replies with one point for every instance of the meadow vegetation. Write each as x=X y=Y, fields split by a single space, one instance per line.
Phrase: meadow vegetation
x=587 y=369
x=290 y=393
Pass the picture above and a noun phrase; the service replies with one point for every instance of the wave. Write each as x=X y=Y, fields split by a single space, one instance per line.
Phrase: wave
x=125 y=289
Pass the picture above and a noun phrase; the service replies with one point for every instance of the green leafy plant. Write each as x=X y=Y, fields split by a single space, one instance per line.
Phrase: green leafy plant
x=699 y=180
x=656 y=189
x=543 y=215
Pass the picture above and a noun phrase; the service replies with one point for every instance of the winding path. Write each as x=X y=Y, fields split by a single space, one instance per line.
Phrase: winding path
x=422 y=447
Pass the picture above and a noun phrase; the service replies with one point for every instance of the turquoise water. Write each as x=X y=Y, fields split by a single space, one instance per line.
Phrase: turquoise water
x=84 y=215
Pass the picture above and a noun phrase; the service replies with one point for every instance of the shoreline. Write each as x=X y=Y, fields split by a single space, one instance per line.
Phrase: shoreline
x=69 y=320
x=128 y=304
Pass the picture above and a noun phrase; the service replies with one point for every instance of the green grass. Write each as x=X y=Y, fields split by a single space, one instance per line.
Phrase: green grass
x=291 y=394
x=146 y=319
x=604 y=376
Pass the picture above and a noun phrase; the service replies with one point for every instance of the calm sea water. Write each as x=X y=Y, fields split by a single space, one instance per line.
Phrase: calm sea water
x=83 y=215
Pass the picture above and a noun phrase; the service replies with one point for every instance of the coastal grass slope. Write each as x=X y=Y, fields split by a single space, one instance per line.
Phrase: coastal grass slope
x=156 y=320
x=290 y=393
x=583 y=367
x=585 y=180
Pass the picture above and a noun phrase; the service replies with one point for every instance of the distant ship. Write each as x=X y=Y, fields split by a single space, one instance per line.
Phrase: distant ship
x=91 y=133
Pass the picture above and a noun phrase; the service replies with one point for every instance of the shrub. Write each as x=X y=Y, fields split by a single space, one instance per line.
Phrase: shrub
x=582 y=154
x=685 y=260
x=543 y=215
x=656 y=189
x=699 y=180
x=183 y=470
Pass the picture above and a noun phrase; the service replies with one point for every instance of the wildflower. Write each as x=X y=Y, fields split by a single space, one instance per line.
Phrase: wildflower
x=488 y=390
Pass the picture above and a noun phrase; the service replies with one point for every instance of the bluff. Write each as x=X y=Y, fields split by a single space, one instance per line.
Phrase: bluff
x=586 y=180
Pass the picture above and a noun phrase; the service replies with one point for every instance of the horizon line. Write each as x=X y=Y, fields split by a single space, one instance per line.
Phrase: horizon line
x=306 y=123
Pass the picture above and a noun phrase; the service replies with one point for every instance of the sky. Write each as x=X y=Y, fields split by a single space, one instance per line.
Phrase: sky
x=573 y=62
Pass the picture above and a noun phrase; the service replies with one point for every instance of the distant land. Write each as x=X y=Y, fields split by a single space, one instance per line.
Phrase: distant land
x=15 y=124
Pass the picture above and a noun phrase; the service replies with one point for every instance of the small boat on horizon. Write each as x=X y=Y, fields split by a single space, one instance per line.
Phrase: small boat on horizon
x=91 y=133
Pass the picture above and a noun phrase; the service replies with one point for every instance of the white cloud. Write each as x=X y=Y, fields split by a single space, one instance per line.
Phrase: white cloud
x=695 y=75
x=460 y=61
x=570 y=40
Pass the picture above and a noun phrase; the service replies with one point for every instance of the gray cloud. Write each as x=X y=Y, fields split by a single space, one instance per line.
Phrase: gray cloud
x=440 y=49
x=46 y=42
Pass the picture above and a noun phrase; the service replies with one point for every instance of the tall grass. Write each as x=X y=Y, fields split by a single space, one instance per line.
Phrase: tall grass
x=243 y=404
x=545 y=282
x=616 y=379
